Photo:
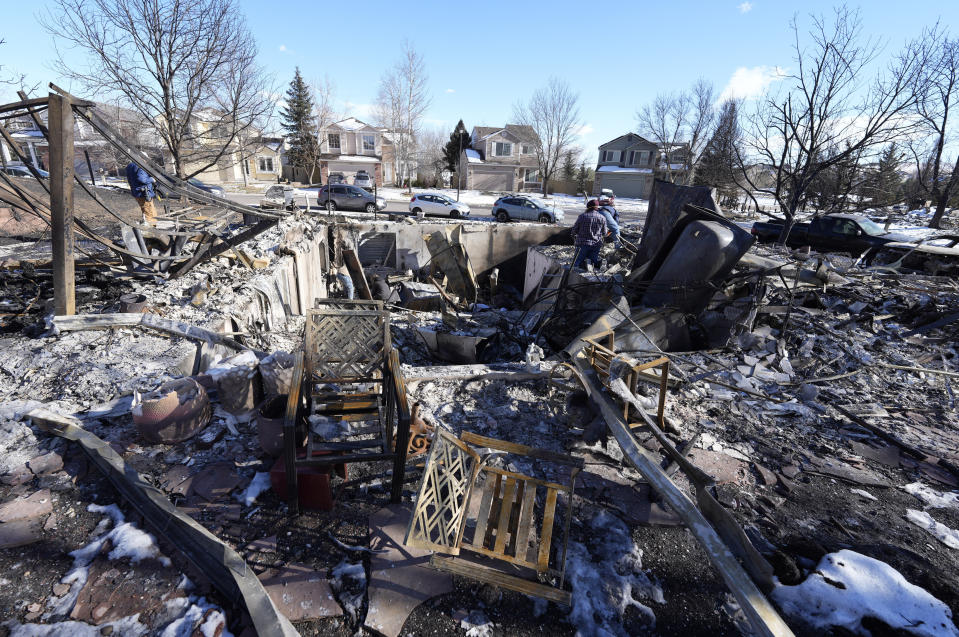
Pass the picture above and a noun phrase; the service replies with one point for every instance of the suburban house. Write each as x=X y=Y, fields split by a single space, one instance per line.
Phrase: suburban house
x=350 y=145
x=501 y=159
x=625 y=166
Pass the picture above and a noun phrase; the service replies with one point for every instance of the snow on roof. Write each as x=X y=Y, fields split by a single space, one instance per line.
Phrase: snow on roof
x=620 y=169
x=473 y=156
x=351 y=123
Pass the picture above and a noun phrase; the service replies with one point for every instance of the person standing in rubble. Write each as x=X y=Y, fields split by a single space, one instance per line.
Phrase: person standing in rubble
x=589 y=230
x=612 y=217
x=141 y=187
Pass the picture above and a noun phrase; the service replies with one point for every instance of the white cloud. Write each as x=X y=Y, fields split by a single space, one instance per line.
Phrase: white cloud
x=352 y=109
x=585 y=130
x=746 y=7
x=283 y=47
x=451 y=90
x=749 y=83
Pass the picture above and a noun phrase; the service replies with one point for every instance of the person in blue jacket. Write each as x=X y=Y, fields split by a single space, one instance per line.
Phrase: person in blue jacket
x=612 y=217
x=141 y=187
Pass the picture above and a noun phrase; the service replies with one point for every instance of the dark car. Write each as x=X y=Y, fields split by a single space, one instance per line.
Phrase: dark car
x=23 y=171
x=344 y=197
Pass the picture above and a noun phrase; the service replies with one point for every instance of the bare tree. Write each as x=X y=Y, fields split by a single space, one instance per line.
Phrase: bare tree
x=833 y=109
x=553 y=114
x=680 y=124
x=938 y=86
x=325 y=113
x=430 y=159
x=401 y=102
x=188 y=68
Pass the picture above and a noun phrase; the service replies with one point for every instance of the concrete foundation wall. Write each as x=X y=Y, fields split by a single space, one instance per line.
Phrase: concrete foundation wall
x=288 y=286
x=488 y=245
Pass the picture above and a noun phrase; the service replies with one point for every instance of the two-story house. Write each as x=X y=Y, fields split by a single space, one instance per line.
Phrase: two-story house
x=625 y=165
x=349 y=146
x=501 y=159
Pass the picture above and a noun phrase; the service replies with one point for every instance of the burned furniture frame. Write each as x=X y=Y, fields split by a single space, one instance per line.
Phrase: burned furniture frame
x=457 y=482
x=347 y=346
x=601 y=350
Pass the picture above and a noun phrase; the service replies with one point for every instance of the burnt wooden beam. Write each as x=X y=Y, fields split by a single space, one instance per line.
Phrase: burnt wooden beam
x=61 y=203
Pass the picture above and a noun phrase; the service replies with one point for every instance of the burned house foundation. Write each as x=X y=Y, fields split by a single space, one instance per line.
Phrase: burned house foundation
x=697 y=437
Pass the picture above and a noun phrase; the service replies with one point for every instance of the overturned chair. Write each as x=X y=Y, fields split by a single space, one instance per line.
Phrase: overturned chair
x=347 y=400
x=466 y=504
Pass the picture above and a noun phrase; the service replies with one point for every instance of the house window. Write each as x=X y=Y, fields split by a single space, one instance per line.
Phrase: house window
x=611 y=155
x=369 y=143
x=532 y=176
x=266 y=164
x=527 y=149
x=334 y=140
x=503 y=149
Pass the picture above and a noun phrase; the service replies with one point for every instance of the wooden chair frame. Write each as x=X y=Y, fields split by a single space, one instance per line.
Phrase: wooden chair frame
x=601 y=350
x=389 y=405
x=504 y=519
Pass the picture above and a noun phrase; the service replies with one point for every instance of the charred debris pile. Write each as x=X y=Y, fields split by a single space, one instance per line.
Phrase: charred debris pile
x=730 y=414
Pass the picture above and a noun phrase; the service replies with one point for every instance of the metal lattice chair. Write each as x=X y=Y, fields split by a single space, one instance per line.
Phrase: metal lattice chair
x=466 y=504
x=347 y=373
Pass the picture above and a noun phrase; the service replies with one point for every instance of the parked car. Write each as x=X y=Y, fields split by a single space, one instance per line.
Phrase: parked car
x=216 y=191
x=830 y=233
x=432 y=203
x=362 y=179
x=343 y=197
x=23 y=171
x=278 y=196
x=526 y=207
x=335 y=178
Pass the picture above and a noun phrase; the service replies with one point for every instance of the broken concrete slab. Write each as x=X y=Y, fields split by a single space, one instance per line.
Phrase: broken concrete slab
x=36 y=505
x=46 y=463
x=177 y=480
x=20 y=532
x=215 y=482
x=301 y=593
x=723 y=468
x=400 y=579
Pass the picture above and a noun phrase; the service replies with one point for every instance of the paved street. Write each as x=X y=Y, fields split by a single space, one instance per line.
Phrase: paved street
x=478 y=213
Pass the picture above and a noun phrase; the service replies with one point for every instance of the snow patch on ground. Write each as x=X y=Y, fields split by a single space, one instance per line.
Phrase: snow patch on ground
x=126 y=540
x=865 y=494
x=931 y=498
x=259 y=484
x=607 y=578
x=477 y=624
x=848 y=586
x=349 y=583
x=192 y=621
x=949 y=537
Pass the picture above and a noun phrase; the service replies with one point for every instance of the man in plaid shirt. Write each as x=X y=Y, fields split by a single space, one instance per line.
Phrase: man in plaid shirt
x=588 y=233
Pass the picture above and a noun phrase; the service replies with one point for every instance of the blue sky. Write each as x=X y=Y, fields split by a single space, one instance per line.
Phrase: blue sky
x=482 y=57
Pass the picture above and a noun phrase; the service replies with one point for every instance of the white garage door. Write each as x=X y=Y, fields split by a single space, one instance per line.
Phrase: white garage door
x=631 y=186
x=498 y=180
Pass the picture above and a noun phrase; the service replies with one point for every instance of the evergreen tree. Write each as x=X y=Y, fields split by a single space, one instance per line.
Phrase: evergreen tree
x=885 y=186
x=459 y=141
x=719 y=157
x=299 y=122
x=569 y=166
x=582 y=177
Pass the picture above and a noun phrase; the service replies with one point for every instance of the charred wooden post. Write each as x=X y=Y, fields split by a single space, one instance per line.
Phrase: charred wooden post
x=61 y=202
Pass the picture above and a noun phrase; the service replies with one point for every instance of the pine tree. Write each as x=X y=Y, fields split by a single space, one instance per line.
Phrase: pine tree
x=582 y=177
x=886 y=186
x=569 y=166
x=299 y=121
x=719 y=158
x=459 y=141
